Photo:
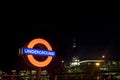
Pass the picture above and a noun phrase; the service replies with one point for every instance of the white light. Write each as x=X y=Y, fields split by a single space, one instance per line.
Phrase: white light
x=62 y=61
x=103 y=56
x=75 y=64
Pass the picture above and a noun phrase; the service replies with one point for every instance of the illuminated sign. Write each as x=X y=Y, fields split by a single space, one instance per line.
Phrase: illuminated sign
x=38 y=52
x=30 y=52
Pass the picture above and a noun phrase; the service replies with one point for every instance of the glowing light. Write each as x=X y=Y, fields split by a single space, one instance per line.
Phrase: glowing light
x=38 y=52
x=32 y=59
x=62 y=61
x=103 y=56
x=92 y=61
x=97 y=64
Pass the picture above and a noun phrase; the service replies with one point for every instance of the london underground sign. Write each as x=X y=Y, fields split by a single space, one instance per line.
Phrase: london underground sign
x=38 y=52
x=30 y=52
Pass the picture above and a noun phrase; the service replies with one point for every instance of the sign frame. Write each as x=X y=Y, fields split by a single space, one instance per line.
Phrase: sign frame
x=31 y=58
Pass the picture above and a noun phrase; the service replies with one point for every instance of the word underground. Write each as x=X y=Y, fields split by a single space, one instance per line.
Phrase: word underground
x=38 y=52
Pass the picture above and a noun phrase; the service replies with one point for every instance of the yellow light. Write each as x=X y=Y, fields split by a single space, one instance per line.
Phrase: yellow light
x=97 y=64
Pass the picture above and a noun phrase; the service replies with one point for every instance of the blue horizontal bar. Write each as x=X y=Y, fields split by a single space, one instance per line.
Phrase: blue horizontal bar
x=38 y=52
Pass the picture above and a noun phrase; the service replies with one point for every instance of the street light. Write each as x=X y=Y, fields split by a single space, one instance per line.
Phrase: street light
x=97 y=64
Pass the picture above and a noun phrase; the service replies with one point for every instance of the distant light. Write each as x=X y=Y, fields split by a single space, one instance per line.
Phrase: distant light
x=44 y=72
x=62 y=61
x=113 y=62
x=97 y=64
x=74 y=46
x=13 y=70
x=76 y=60
x=75 y=64
x=103 y=56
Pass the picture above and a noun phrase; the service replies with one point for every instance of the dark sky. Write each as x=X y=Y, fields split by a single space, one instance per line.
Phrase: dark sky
x=95 y=36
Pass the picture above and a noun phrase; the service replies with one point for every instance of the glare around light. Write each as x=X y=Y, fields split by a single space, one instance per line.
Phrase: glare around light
x=97 y=64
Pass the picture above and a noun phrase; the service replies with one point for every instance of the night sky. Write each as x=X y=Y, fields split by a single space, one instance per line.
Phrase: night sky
x=95 y=36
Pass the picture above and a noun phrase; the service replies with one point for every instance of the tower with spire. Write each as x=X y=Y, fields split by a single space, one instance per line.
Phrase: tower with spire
x=75 y=57
x=74 y=47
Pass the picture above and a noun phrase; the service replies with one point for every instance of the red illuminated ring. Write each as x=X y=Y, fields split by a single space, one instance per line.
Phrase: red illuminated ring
x=32 y=59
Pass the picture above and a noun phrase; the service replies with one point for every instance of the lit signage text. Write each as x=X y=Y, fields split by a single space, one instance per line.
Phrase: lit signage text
x=38 y=52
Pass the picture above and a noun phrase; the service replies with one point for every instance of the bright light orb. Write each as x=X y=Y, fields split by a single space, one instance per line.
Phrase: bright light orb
x=97 y=64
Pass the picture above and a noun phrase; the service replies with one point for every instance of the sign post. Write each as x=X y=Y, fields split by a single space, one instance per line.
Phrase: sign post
x=38 y=73
x=30 y=52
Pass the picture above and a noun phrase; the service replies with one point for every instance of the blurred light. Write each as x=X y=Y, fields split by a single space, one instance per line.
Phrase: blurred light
x=103 y=56
x=13 y=71
x=44 y=72
x=97 y=64
x=113 y=62
x=62 y=61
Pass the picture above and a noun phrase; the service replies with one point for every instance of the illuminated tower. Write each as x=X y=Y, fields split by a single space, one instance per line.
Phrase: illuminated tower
x=75 y=62
x=74 y=43
x=74 y=48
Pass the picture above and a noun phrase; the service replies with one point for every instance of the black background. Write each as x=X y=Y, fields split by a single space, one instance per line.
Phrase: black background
x=95 y=35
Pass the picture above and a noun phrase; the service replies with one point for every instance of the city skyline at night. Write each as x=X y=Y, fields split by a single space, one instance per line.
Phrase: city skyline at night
x=95 y=36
